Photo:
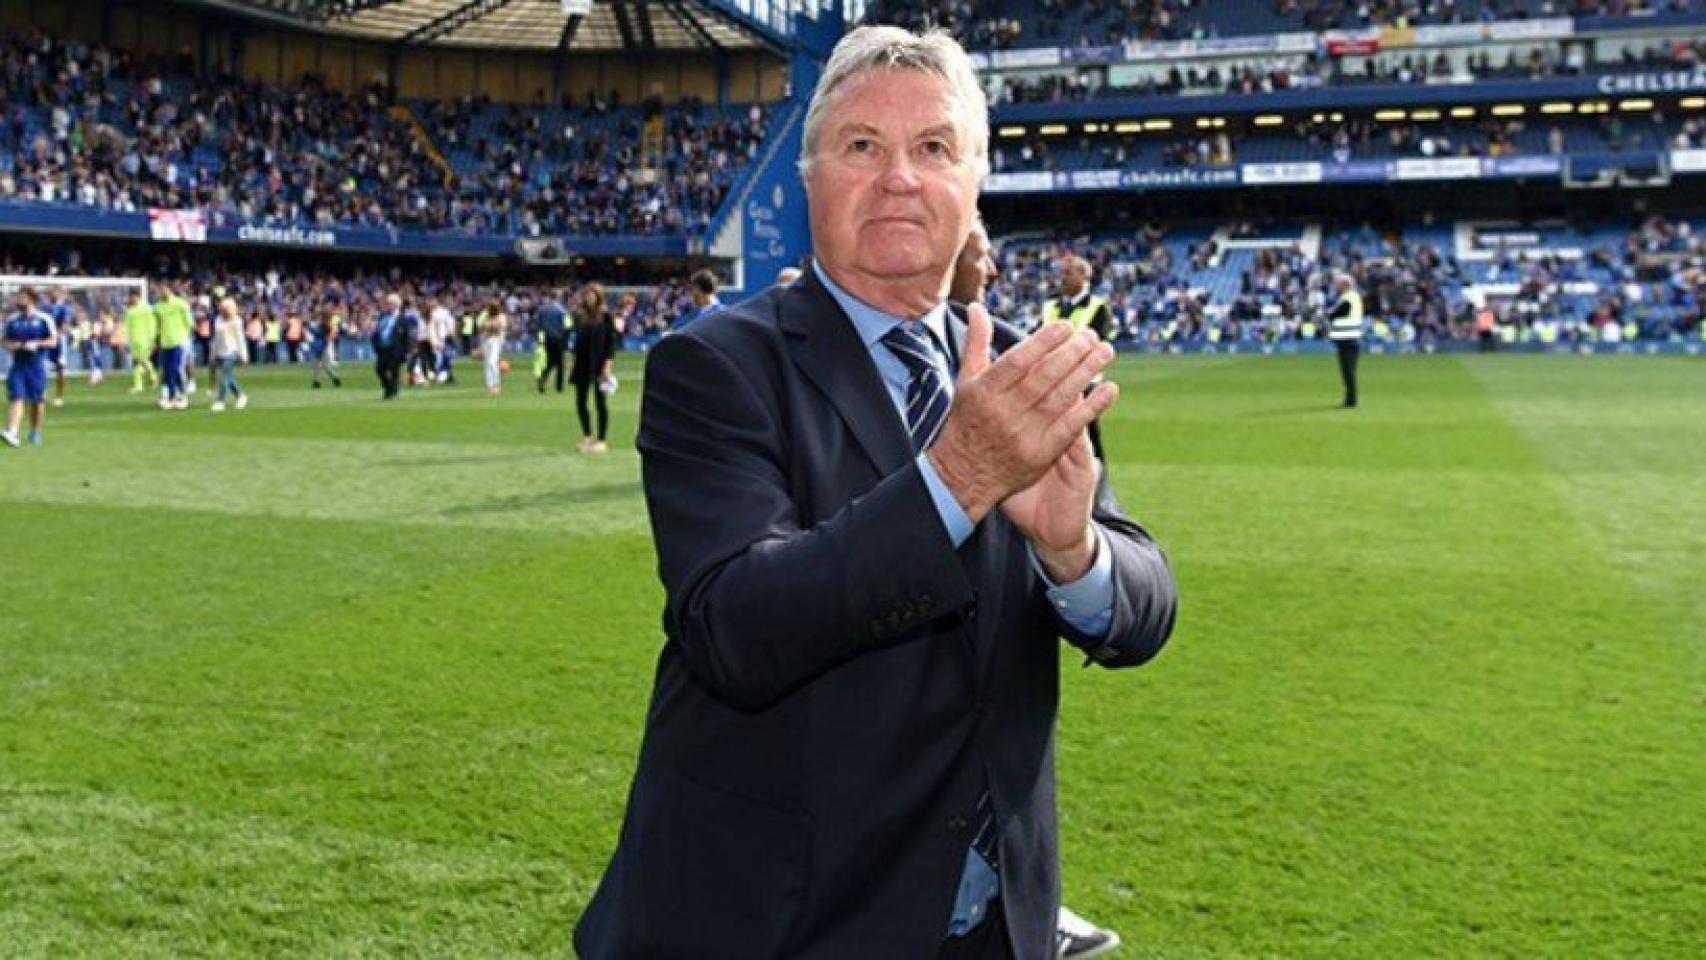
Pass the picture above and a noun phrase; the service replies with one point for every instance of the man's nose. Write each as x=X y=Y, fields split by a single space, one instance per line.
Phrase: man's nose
x=899 y=175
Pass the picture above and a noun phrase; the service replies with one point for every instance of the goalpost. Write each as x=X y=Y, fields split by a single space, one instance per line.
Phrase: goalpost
x=96 y=333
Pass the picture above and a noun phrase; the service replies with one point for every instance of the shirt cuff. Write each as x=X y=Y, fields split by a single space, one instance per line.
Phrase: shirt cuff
x=1086 y=604
x=954 y=517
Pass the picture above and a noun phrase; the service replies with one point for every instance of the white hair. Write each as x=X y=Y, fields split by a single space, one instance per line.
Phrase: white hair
x=868 y=49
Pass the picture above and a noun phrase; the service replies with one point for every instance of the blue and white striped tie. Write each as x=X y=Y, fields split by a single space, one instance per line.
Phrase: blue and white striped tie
x=927 y=402
x=927 y=397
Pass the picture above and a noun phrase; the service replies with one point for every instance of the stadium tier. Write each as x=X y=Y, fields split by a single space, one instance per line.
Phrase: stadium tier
x=992 y=25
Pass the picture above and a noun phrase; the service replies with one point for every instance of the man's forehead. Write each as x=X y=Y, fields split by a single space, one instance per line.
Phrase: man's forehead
x=869 y=100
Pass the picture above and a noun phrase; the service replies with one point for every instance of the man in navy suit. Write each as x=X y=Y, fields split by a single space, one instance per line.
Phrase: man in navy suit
x=391 y=338
x=875 y=520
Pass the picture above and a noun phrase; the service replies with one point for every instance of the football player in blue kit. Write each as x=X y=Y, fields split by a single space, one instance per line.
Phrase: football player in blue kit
x=29 y=334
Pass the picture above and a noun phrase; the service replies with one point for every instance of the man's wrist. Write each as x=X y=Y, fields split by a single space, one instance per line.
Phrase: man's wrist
x=1071 y=564
x=963 y=488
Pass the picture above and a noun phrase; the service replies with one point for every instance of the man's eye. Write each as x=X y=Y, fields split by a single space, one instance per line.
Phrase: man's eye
x=936 y=149
x=860 y=146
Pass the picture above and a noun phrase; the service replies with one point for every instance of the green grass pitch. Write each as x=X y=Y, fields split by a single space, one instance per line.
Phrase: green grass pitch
x=332 y=677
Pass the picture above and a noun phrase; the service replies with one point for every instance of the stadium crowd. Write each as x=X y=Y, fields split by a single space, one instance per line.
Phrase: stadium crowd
x=1650 y=285
x=283 y=308
x=98 y=127
x=1316 y=70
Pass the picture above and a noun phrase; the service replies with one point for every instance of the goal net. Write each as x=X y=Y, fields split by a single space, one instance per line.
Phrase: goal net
x=91 y=320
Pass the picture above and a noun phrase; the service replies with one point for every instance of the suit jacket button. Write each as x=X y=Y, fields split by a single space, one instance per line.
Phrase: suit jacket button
x=957 y=824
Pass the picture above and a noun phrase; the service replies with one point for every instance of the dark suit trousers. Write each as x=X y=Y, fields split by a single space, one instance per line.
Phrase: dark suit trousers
x=554 y=347
x=388 y=364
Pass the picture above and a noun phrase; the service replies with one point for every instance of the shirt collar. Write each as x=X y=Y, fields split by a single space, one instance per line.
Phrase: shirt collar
x=872 y=323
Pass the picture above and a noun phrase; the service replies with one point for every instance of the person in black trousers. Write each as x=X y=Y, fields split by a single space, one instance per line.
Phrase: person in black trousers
x=594 y=350
x=390 y=335
x=1344 y=328
x=549 y=320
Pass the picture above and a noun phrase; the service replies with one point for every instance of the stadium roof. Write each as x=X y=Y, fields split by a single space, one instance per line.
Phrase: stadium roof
x=610 y=25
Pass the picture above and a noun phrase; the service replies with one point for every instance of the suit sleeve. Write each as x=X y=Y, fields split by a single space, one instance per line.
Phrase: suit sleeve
x=1145 y=594
x=758 y=603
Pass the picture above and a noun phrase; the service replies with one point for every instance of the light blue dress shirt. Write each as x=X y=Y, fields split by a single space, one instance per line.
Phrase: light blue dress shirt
x=1086 y=604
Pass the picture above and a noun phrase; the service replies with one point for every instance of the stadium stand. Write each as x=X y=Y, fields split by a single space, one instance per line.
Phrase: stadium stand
x=988 y=25
x=98 y=127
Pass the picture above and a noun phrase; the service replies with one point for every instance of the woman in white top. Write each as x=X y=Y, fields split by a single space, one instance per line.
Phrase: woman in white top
x=229 y=349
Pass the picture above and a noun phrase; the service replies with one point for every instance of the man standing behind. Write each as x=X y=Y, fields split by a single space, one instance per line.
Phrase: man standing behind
x=29 y=334
x=390 y=344
x=1344 y=328
x=872 y=532
x=140 y=333
x=1076 y=938
x=702 y=286
x=1084 y=311
x=550 y=321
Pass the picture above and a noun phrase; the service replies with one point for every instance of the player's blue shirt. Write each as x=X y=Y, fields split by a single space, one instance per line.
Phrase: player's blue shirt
x=23 y=327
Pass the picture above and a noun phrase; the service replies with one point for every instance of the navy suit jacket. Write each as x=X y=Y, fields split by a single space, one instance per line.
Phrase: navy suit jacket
x=838 y=682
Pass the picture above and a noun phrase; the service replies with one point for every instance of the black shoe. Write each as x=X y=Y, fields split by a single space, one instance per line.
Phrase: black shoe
x=336 y=382
x=316 y=384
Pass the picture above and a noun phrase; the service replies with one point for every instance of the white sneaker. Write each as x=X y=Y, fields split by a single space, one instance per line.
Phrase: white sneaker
x=166 y=403
x=218 y=406
x=59 y=401
x=1078 y=939
x=242 y=400
x=10 y=439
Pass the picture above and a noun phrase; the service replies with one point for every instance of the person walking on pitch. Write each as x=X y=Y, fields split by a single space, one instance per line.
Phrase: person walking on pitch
x=29 y=334
x=140 y=333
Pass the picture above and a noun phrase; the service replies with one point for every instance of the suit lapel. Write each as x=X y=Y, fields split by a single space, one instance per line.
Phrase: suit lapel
x=827 y=348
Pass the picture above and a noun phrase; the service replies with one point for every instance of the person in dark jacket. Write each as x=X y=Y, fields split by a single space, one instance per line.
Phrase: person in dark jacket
x=594 y=354
x=553 y=333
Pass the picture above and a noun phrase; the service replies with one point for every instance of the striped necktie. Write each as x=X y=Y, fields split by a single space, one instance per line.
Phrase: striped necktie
x=927 y=397
x=927 y=402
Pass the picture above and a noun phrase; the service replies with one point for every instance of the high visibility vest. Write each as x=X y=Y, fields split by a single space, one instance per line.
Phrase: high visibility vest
x=1081 y=315
x=1349 y=326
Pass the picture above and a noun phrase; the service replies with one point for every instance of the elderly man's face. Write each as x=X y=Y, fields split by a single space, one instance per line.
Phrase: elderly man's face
x=893 y=186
